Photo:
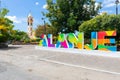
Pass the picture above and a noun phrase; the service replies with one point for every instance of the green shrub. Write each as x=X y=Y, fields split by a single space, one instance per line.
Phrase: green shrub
x=102 y=22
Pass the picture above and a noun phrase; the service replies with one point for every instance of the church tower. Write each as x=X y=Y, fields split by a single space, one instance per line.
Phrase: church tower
x=30 y=25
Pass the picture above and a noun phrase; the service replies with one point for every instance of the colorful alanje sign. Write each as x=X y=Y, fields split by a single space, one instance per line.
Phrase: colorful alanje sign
x=71 y=40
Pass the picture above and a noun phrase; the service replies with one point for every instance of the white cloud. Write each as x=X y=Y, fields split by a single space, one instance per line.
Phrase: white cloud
x=16 y=20
x=109 y=3
x=36 y=3
x=45 y=6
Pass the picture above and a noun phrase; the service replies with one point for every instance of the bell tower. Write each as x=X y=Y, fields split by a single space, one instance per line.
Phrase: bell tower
x=30 y=25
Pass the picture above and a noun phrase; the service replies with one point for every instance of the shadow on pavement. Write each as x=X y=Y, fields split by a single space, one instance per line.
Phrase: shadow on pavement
x=10 y=48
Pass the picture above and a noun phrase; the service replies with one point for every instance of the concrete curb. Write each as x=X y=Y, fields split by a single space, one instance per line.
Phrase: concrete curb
x=82 y=51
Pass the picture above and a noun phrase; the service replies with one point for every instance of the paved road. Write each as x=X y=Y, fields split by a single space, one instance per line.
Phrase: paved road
x=27 y=63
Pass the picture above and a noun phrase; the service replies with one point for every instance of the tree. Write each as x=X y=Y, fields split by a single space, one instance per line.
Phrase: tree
x=67 y=15
x=41 y=30
x=19 y=36
x=6 y=26
x=102 y=22
x=3 y=12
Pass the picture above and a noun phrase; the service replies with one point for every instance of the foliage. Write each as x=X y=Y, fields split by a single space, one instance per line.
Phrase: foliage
x=102 y=22
x=47 y=29
x=19 y=36
x=6 y=26
x=3 y=12
x=67 y=15
x=6 y=30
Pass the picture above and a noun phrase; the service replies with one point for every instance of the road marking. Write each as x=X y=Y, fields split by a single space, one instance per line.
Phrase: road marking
x=78 y=66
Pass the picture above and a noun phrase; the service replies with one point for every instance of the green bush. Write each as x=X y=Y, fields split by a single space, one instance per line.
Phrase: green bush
x=102 y=22
x=20 y=36
x=6 y=26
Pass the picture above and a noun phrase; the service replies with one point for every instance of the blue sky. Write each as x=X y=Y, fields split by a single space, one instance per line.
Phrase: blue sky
x=19 y=10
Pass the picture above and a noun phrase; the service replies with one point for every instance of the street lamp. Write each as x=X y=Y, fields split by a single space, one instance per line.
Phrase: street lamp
x=117 y=2
x=44 y=25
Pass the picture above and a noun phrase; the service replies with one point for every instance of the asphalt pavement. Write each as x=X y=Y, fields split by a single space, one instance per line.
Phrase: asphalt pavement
x=25 y=62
